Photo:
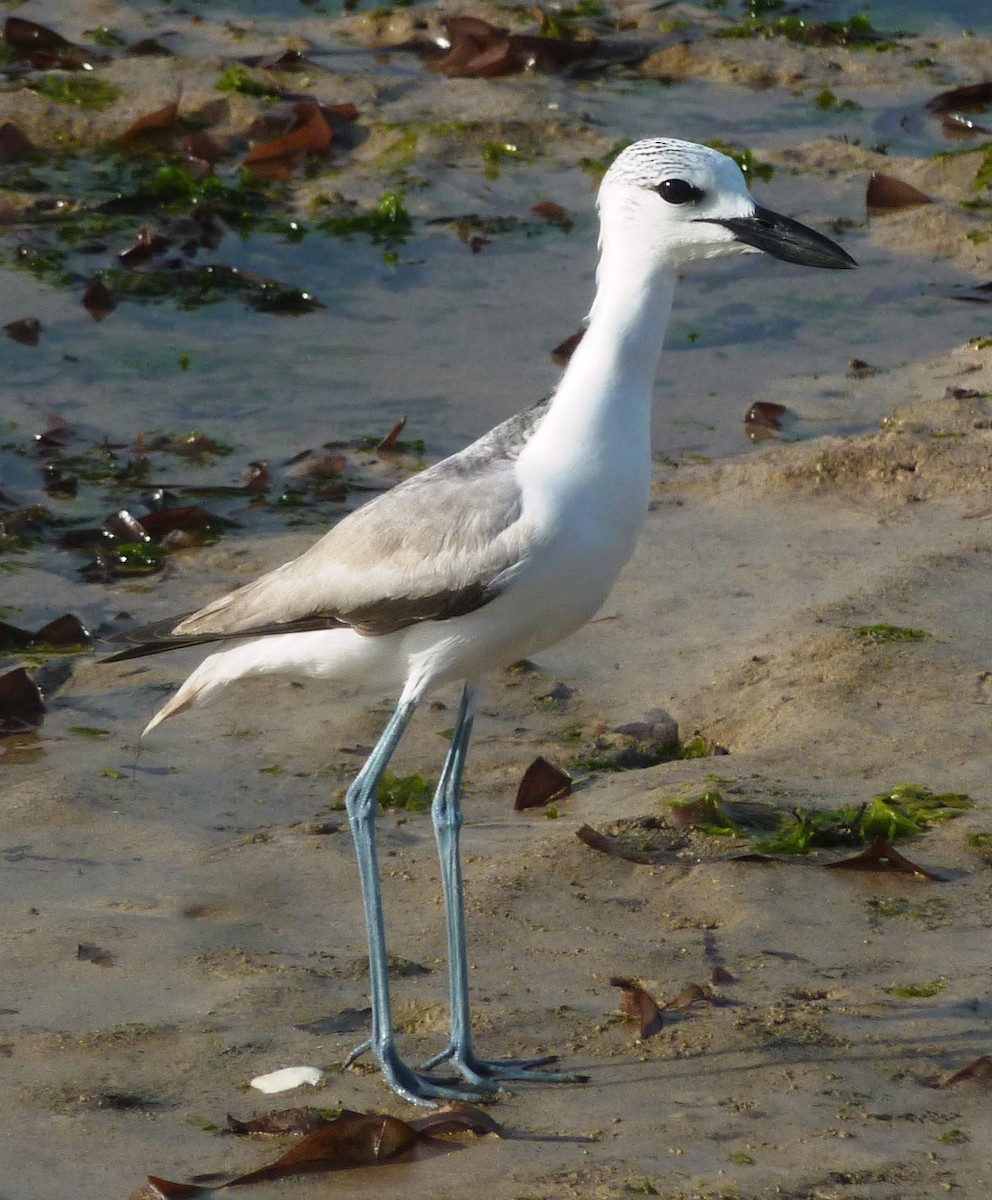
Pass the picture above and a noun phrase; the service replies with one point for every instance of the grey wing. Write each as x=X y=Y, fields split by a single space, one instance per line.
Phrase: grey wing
x=427 y=550
x=430 y=549
x=438 y=545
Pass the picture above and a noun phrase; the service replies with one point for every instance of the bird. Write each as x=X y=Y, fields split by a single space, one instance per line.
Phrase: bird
x=492 y=554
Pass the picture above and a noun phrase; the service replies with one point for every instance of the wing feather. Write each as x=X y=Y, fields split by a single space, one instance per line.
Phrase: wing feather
x=437 y=546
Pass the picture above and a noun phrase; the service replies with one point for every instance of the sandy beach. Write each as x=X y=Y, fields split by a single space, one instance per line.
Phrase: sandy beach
x=185 y=917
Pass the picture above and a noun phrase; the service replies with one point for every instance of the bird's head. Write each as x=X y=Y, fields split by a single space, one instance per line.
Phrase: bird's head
x=678 y=201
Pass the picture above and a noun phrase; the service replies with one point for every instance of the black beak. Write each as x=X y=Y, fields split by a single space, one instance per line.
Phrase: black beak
x=781 y=237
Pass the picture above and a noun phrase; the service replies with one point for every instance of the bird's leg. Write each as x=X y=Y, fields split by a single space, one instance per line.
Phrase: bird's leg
x=448 y=819
x=362 y=803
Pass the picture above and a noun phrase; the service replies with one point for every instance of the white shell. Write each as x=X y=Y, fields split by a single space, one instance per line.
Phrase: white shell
x=288 y=1078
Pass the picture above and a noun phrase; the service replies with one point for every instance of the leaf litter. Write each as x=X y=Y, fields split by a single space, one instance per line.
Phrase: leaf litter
x=343 y=1142
x=80 y=475
x=905 y=811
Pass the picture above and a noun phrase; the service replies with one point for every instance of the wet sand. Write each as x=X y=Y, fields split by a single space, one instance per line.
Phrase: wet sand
x=216 y=878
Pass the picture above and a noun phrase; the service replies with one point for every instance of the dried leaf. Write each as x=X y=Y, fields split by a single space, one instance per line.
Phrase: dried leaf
x=205 y=147
x=979 y=1070
x=256 y=477
x=310 y=134
x=154 y=122
x=389 y=441
x=616 y=849
x=25 y=330
x=145 y=246
x=46 y=48
x=20 y=698
x=885 y=193
x=98 y=300
x=13 y=144
x=13 y=638
x=972 y=98
x=692 y=993
x=554 y=214
x=456 y=1118
x=64 y=632
x=564 y=350
x=189 y=518
x=542 y=783
x=881 y=855
x=476 y=48
x=763 y=420
x=351 y=1140
x=956 y=128
x=636 y=1002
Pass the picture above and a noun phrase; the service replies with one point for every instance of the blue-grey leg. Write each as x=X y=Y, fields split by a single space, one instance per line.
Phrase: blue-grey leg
x=448 y=819
x=362 y=803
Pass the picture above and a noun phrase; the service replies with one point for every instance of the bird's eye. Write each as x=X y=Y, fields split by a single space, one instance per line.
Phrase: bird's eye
x=678 y=191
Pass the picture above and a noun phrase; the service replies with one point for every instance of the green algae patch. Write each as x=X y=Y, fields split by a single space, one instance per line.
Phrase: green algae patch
x=906 y=811
x=389 y=221
x=917 y=991
x=79 y=91
x=884 y=632
x=412 y=793
x=751 y=168
x=238 y=78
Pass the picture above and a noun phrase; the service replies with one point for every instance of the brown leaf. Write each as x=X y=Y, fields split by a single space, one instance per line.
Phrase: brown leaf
x=310 y=134
x=692 y=993
x=20 y=698
x=477 y=48
x=346 y=112
x=616 y=849
x=636 y=1002
x=256 y=477
x=188 y=518
x=351 y=1140
x=13 y=638
x=13 y=144
x=46 y=48
x=957 y=128
x=205 y=147
x=25 y=330
x=979 y=1070
x=554 y=214
x=881 y=855
x=389 y=441
x=315 y=464
x=64 y=632
x=564 y=350
x=885 y=193
x=542 y=782
x=763 y=420
x=98 y=300
x=145 y=246
x=456 y=1118
x=154 y=122
x=972 y=98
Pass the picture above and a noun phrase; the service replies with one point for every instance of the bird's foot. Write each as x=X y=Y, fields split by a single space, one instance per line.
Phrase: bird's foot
x=416 y=1087
x=487 y=1073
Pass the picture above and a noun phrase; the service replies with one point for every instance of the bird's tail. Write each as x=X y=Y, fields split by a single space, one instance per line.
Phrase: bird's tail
x=213 y=674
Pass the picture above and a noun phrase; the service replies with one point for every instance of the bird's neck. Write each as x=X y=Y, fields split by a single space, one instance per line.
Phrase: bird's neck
x=605 y=393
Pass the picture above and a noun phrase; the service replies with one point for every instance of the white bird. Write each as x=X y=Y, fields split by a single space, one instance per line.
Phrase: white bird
x=495 y=553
